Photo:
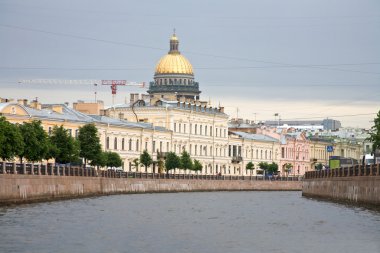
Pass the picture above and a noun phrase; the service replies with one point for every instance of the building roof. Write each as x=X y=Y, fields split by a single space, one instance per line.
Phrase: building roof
x=173 y=104
x=255 y=137
x=69 y=114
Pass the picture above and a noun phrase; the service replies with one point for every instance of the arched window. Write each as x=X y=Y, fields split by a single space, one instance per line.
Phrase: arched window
x=185 y=82
x=196 y=129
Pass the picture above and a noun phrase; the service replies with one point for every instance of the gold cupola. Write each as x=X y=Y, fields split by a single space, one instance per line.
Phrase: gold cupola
x=174 y=62
x=174 y=76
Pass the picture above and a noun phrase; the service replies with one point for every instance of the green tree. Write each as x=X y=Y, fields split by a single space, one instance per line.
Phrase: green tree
x=264 y=166
x=89 y=142
x=197 y=165
x=136 y=163
x=185 y=161
x=273 y=168
x=318 y=166
x=374 y=135
x=146 y=159
x=100 y=160
x=11 y=140
x=65 y=148
x=35 y=140
x=250 y=166
x=113 y=159
x=287 y=168
x=172 y=161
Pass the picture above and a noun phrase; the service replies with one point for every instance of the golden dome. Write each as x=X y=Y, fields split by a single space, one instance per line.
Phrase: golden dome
x=174 y=64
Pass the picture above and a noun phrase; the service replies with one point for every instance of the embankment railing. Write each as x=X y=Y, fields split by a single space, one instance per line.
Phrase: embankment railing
x=354 y=171
x=66 y=170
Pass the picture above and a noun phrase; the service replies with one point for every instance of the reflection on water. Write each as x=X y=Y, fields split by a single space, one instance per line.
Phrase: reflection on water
x=190 y=222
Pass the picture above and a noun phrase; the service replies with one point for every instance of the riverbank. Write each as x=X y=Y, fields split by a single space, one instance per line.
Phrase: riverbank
x=17 y=189
x=355 y=185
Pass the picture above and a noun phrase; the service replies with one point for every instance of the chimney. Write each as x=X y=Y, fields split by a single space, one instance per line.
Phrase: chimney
x=23 y=102
x=221 y=109
x=35 y=105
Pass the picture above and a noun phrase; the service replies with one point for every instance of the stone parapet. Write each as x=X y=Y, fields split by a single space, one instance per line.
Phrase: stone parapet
x=32 y=188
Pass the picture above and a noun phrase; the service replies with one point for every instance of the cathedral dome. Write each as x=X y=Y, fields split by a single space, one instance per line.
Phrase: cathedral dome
x=174 y=62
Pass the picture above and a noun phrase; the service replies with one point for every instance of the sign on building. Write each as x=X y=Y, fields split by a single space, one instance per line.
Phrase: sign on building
x=330 y=149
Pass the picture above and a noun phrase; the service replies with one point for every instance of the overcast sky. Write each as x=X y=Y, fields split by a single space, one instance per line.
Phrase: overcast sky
x=301 y=59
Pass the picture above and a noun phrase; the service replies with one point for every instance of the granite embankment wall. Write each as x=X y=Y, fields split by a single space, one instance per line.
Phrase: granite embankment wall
x=353 y=185
x=30 y=188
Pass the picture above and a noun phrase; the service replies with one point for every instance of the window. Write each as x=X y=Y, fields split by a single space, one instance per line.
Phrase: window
x=210 y=131
x=108 y=142
x=220 y=134
x=167 y=147
x=179 y=127
x=205 y=130
x=175 y=127
x=200 y=150
x=184 y=128
x=257 y=154
x=76 y=133
x=229 y=150
x=137 y=145
x=154 y=146
x=196 y=151
x=261 y=154
x=130 y=145
x=216 y=132
x=282 y=152
x=115 y=143
x=122 y=144
x=146 y=146
x=70 y=132
x=224 y=133
x=196 y=130
x=266 y=154
x=200 y=129
x=191 y=130
x=160 y=146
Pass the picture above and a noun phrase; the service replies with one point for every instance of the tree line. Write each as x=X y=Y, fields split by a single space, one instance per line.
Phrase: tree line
x=29 y=141
x=172 y=162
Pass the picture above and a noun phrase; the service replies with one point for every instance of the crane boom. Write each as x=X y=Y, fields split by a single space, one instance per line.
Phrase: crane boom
x=81 y=81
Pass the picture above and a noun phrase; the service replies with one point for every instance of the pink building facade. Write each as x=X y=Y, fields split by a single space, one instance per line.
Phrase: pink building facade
x=294 y=150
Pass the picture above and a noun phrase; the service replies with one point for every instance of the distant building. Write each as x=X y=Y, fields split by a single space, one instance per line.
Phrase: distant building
x=331 y=124
x=326 y=124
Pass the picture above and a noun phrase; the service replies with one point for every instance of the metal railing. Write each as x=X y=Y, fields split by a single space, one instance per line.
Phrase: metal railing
x=354 y=171
x=45 y=169
x=64 y=170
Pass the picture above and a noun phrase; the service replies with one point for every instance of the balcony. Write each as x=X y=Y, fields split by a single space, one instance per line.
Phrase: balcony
x=237 y=159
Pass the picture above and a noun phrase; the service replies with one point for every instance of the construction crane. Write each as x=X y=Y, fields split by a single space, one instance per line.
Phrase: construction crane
x=112 y=83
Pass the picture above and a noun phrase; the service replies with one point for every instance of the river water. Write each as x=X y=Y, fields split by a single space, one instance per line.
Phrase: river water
x=190 y=222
